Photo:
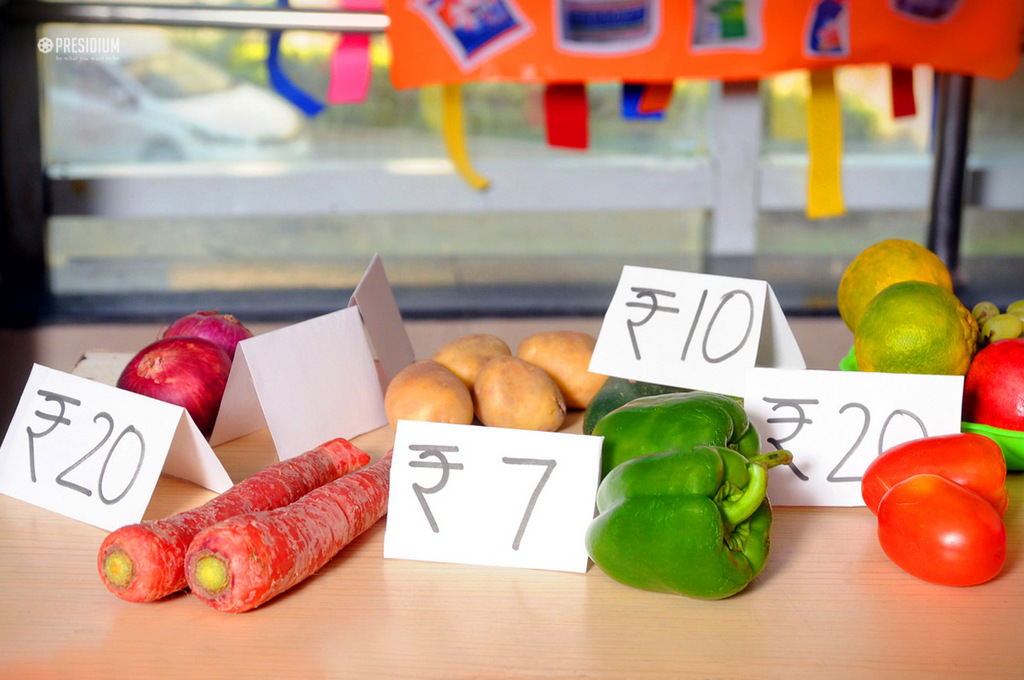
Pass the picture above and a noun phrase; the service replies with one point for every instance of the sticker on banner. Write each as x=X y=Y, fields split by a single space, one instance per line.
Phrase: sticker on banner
x=491 y=496
x=836 y=422
x=94 y=452
x=828 y=30
x=473 y=31
x=607 y=28
x=698 y=331
x=735 y=25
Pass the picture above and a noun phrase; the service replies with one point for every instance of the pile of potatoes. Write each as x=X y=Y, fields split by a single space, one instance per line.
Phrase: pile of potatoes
x=477 y=377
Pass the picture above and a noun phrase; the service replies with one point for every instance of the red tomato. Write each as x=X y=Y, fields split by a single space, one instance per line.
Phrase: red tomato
x=970 y=460
x=941 y=532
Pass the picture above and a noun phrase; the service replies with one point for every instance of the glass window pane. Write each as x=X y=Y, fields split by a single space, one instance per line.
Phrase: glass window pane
x=175 y=102
x=865 y=102
x=197 y=103
x=203 y=94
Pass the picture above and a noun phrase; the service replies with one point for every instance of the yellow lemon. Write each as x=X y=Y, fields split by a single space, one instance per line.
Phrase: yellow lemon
x=916 y=327
x=879 y=266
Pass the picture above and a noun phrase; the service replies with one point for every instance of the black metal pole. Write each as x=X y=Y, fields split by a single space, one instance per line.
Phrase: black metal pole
x=24 y=288
x=952 y=123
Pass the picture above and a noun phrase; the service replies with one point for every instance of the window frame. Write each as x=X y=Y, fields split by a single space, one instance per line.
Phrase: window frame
x=726 y=183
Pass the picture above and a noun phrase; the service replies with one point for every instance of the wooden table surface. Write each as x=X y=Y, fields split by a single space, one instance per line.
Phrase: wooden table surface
x=829 y=604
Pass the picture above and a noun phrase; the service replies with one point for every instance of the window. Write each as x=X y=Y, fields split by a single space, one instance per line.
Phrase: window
x=186 y=180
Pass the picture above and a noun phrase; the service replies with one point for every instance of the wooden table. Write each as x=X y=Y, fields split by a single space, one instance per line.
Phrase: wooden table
x=828 y=605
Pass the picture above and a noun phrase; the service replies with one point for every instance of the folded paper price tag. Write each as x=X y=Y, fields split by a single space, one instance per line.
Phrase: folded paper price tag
x=836 y=422
x=316 y=380
x=697 y=331
x=492 y=496
x=94 y=452
x=307 y=383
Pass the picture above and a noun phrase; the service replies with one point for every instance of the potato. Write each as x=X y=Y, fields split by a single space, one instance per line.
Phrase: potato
x=426 y=390
x=514 y=393
x=465 y=355
x=565 y=355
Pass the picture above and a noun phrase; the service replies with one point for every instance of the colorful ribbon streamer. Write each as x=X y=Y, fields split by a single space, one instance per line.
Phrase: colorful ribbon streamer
x=565 y=112
x=454 y=136
x=350 y=69
x=656 y=97
x=280 y=81
x=825 y=148
x=350 y=62
x=901 y=84
x=645 y=101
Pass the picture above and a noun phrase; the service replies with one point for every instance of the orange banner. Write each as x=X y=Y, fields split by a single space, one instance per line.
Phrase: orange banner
x=452 y=41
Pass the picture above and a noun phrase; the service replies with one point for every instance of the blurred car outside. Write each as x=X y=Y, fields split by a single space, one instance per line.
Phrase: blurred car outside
x=129 y=95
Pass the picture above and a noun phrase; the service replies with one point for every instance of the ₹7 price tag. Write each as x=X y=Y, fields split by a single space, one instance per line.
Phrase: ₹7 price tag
x=95 y=452
x=491 y=496
x=836 y=422
x=698 y=331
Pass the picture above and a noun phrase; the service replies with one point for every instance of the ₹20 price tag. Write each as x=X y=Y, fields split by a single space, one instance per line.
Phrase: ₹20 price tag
x=491 y=496
x=836 y=422
x=698 y=331
x=95 y=452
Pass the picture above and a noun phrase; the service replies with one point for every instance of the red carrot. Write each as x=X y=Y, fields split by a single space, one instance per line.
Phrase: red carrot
x=246 y=560
x=146 y=562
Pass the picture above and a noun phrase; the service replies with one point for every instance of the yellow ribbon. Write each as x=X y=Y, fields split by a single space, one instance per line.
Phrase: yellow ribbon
x=825 y=148
x=454 y=138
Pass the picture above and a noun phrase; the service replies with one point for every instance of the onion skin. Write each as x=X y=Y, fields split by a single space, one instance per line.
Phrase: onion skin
x=190 y=372
x=221 y=329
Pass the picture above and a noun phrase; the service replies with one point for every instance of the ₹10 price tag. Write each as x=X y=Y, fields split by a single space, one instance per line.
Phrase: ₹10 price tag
x=697 y=331
x=491 y=496
x=95 y=452
x=836 y=422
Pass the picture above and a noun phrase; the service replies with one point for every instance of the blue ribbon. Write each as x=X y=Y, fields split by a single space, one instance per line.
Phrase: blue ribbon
x=631 y=94
x=280 y=81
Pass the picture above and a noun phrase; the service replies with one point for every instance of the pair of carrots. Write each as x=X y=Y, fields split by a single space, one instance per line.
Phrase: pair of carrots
x=256 y=540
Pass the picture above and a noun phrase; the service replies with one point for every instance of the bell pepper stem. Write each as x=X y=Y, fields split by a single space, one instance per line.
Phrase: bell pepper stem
x=736 y=509
x=772 y=458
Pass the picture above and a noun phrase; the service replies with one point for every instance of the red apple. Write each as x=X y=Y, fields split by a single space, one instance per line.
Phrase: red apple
x=994 y=386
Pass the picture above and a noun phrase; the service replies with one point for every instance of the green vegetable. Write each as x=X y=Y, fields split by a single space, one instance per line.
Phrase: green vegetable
x=616 y=392
x=692 y=522
x=674 y=422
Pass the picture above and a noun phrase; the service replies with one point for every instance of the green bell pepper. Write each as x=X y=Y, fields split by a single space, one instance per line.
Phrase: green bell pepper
x=674 y=422
x=690 y=522
x=616 y=392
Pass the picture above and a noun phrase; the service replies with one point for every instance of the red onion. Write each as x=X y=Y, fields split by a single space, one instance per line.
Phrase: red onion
x=186 y=371
x=222 y=329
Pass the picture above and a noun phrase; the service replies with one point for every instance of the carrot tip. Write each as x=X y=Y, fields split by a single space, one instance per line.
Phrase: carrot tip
x=212 y=574
x=118 y=568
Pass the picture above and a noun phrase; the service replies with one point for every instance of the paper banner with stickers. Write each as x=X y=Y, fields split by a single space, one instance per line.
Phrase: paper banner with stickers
x=451 y=41
x=647 y=44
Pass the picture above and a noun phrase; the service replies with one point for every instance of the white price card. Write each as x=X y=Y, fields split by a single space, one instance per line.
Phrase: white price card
x=492 y=496
x=95 y=452
x=318 y=379
x=698 y=331
x=307 y=383
x=836 y=422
